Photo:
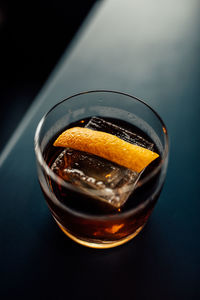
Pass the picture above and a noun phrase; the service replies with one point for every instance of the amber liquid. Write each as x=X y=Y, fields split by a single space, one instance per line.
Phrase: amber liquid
x=95 y=223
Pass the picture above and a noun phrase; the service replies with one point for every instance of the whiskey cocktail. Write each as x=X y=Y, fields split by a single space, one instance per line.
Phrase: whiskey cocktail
x=102 y=159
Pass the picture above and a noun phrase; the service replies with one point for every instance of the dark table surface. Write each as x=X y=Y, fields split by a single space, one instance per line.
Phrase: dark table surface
x=149 y=49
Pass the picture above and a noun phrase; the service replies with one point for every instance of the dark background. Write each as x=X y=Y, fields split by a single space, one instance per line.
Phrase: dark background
x=153 y=54
x=33 y=36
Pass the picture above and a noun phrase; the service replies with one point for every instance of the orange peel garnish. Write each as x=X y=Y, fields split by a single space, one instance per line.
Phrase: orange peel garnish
x=107 y=146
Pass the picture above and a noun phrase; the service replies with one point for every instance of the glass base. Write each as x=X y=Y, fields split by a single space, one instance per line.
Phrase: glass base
x=98 y=244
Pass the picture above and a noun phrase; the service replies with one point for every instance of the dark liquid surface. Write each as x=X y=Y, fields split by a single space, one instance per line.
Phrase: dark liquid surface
x=87 y=204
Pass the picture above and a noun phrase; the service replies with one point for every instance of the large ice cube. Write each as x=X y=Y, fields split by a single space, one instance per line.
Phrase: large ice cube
x=96 y=176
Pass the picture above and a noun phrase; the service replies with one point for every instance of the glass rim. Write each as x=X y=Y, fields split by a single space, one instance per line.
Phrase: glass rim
x=55 y=177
